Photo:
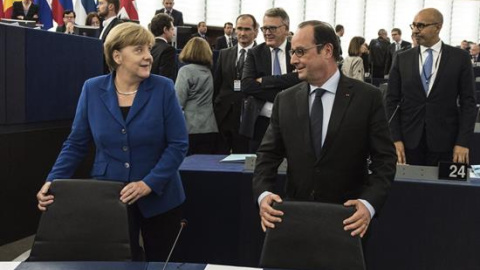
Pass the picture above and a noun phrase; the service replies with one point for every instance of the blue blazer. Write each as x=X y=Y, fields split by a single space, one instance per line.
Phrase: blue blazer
x=149 y=145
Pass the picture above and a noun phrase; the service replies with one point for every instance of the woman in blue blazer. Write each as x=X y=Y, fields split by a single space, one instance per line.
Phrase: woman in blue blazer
x=140 y=136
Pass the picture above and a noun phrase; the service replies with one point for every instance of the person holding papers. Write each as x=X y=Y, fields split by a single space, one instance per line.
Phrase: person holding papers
x=134 y=119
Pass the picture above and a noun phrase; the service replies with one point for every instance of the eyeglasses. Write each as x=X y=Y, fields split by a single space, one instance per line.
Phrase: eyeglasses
x=301 y=51
x=421 y=26
x=272 y=29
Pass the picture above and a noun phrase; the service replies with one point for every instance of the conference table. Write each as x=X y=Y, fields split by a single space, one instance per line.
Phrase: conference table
x=424 y=224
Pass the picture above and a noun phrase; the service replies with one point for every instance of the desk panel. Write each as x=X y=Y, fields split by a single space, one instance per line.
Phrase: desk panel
x=423 y=225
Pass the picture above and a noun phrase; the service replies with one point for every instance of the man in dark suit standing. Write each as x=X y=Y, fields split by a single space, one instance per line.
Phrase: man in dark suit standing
x=108 y=10
x=227 y=40
x=175 y=14
x=397 y=46
x=267 y=71
x=431 y=87
x=378 y=52
x=326 y=127
x=228 y=97
x=163 y=53
x=201 y=30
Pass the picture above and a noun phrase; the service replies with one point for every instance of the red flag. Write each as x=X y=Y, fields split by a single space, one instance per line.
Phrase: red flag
x=129 y=7
x=2 y=15
x=57 y=12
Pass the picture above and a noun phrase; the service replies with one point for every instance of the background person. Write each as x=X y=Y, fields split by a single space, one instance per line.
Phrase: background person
x=25 y=10
x=353 y=65
x=194 y=87
x=140 y=137
x=92 y=19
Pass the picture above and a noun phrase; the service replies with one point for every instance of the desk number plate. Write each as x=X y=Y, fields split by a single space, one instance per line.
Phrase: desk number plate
x=452 y=171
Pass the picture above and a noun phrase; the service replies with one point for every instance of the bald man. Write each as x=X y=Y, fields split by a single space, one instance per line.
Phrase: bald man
x=432 y=88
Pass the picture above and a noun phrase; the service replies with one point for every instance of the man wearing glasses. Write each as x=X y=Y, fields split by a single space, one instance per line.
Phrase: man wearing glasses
x=431 y=88
x=266 y=72
x=228 y=97
x=326 y=127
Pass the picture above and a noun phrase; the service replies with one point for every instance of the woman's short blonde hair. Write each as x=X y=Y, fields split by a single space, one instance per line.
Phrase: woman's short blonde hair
x=354 y=49
x=123 y=35
x=197 y=51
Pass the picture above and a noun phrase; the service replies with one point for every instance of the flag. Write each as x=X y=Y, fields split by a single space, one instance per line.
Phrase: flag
x=1 y=9
x=7 y=8
x=128 y=9
x=82 y=8
x=58 y=6
x=44 y=13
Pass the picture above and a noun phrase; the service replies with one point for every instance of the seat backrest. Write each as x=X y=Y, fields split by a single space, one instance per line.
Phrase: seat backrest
x=311 y=236
x=86 y=222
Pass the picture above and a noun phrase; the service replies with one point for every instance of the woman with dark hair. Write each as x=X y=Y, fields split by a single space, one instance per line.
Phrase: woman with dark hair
x=194 y=87
x=140 y=139
x=93 y=19
x=25 y=10
x=353 y=65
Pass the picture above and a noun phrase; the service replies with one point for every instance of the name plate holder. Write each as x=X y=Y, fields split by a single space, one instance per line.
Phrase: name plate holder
x=414 y=172
x=250 y=165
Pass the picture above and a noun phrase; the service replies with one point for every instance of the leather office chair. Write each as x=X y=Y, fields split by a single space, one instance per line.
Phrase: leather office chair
x=86 y=222
x=311 y=237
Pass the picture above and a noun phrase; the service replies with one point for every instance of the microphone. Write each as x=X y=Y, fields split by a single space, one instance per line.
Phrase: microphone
x=395 y=111
x=183 y=224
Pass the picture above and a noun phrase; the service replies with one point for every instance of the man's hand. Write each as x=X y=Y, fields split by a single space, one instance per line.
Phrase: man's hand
x=359 y=221
x=259 y=80
x=44 y=200
x=460 y=154
x=134 y=191
x=268 y=214
x=400 y=148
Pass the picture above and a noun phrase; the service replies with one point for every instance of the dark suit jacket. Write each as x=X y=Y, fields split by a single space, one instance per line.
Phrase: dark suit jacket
x=198 y=35
x=153 y=140
x=109 y=27
x=176 y=15
x=17 y=10
x=227 y=101
x=221 y=42
x=164 y=62
x=357 y=129
x=259 y=64
x=405 y=45
x=444 y=123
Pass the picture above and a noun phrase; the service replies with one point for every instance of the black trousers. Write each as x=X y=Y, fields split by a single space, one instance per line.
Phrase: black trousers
x=261 y=126
x=423 y=156
x=158 y=233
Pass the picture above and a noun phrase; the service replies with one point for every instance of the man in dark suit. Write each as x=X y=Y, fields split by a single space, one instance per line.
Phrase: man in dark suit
x=397 y=46
x=163 y=53
x=227 y=40
x=108 y=10
x=68 y=22
x=228 y=97
x=431 y=87
x=475 y=53
x=267 y=71
x=175 y=14
x=326 y=127
x=378 y=52
x=201 y=30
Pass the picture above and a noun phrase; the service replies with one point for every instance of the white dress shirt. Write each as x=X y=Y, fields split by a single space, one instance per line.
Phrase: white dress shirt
x=437 y=55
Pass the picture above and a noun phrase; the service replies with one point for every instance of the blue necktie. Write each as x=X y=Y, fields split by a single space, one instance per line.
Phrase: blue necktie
x=427 y=70
x=276 y=63
x=316 y=121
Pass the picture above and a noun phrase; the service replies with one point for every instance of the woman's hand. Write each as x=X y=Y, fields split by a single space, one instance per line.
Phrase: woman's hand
x=44 y=200
x=134 y=191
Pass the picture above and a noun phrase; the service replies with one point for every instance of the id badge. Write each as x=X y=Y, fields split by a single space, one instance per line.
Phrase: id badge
x=237 y=85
